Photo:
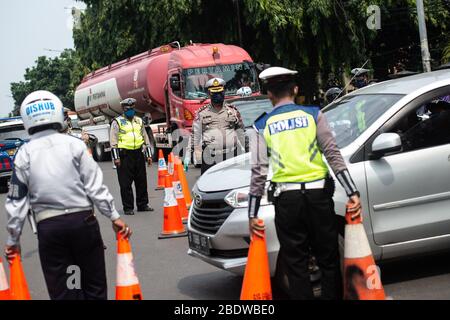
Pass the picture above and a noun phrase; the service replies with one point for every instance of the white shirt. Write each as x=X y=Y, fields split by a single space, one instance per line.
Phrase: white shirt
x=54 y=171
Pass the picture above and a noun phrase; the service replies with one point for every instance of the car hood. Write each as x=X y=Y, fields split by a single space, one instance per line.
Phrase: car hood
x=226 y=175
x=235 y=173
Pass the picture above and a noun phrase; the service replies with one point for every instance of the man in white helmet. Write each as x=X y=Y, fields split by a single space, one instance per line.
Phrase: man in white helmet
x=218 y=131
x=57 y=180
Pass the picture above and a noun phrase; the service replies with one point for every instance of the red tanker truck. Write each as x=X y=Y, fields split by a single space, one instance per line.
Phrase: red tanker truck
x=168 y=83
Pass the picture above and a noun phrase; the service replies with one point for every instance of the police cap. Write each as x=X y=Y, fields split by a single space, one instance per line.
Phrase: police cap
x=359 y=71
x=277 y=74
x=215 y=85
x=128 y=102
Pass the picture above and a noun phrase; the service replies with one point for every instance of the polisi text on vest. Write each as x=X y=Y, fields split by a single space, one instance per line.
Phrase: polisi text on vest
x=288 y=124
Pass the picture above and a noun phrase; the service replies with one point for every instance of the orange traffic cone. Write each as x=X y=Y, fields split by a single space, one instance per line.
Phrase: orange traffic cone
x=170 y=164
x=256 y=284
x=5 y=293
x=127 y=283
x=19 y=287
x=172 y=225
x=162 y=170
x=177 y=187
x=184 y=184
x=361 y=275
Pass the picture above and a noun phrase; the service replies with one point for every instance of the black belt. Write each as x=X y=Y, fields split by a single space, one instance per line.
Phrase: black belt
x=125 y=151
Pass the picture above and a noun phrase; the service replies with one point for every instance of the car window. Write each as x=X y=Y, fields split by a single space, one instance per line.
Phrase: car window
x=251 y=110
x=351 y=116
x=13 y=132
x=425 y=126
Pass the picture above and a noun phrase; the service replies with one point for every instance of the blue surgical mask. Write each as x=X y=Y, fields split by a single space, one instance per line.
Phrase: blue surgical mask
x=217 y=97
x=360 y=83
x=130 y=113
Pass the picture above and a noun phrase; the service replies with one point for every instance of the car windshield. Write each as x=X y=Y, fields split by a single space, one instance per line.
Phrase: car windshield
x=13 y=132
x=351 y=116
x=236 y=76
x=250 y=110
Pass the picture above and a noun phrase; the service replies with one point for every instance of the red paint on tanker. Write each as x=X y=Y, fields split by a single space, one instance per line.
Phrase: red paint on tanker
x=145 y=78
x=141 y=77
x=200 y=55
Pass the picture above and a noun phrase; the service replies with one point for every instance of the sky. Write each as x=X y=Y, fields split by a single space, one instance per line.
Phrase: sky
x=27 y=28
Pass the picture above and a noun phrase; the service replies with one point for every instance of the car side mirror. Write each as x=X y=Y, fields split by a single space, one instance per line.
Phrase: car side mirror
x=175 y=83
x=385 y=143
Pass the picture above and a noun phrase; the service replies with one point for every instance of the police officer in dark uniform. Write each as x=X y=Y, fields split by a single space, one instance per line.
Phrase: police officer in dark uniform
x=218 y=131
x=332 y=94
x=58 y=183
x=361 y=78
x=130 y=149
x=294 y=138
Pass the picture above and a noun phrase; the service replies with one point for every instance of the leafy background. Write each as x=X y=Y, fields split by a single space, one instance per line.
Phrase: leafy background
x=319 y=38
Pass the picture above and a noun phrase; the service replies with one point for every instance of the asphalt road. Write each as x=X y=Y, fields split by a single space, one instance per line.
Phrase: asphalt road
x=165 y=270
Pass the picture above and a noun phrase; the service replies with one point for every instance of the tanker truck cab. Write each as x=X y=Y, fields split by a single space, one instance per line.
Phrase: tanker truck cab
x=189 y=69
x=168 y=84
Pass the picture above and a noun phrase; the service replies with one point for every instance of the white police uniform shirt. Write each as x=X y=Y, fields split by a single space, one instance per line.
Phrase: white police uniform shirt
x=54 y=171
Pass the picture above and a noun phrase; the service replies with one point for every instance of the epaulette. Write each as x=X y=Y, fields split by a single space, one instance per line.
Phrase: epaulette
x=206 y=106
x=229 y=105
x=233 y=109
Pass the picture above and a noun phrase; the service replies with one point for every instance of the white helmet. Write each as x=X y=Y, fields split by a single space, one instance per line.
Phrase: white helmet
x=42 y=108
x=244 y=92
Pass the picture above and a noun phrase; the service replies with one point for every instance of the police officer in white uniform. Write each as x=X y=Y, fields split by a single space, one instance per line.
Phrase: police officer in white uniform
x=57 y=180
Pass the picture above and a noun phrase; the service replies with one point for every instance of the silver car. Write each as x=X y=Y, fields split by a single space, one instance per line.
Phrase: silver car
x=395 y=138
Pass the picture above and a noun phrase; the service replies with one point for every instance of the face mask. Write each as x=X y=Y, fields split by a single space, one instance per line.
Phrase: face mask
x=217 y=97
x=130 y=113
x=360 y=83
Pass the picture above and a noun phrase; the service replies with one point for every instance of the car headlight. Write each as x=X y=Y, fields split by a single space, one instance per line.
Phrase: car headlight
x=11 y=152
x=238 y=198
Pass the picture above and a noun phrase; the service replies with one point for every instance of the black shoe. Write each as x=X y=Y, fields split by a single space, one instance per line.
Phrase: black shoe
x=128 y=212
x=146 y=208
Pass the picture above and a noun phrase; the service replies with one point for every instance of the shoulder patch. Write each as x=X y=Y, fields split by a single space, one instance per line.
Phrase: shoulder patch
x=203 y=108
x=18 y=190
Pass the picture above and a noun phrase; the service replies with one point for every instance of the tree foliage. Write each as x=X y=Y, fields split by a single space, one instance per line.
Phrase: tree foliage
x=316 y=37
x=59 y=75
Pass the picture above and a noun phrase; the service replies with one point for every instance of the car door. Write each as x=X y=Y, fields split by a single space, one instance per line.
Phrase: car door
x=409 y=191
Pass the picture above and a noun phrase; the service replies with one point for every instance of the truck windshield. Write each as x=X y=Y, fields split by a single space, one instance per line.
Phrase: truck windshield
x=236 y=76
x=351 y=116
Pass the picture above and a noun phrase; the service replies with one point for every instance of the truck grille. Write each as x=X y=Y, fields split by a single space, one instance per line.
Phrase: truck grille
x=212 y=213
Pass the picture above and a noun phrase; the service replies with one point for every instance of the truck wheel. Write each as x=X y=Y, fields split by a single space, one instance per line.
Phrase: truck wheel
x=4 y=185
x=99 y=152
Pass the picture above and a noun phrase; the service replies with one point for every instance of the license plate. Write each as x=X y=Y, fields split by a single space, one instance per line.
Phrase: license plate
x=199 y=243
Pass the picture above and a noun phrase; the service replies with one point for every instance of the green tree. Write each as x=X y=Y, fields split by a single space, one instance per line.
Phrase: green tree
x=300 y=34
x=59 y=75
x=315 y=37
